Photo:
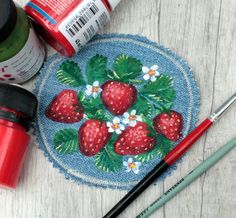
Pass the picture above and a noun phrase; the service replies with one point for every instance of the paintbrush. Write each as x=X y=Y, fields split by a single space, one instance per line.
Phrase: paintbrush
x=169 y=159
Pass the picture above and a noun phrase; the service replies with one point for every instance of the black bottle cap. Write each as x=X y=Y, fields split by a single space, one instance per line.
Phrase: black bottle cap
x=8 y=16
x=20 y=100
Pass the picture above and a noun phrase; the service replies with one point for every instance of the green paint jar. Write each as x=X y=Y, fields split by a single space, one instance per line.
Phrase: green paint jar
x=21 y=52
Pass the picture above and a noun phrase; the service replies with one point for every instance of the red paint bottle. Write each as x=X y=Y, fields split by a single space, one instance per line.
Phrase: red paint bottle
x=17 y=110
x=67 y=25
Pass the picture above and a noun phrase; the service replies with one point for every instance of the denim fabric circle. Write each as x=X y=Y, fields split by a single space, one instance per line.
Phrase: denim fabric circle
x=79 y=168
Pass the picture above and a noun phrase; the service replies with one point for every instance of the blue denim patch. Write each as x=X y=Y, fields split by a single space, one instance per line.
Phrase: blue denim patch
x=79 y=168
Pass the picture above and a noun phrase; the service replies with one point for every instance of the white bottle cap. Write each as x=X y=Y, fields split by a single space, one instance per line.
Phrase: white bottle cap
x=114 y=3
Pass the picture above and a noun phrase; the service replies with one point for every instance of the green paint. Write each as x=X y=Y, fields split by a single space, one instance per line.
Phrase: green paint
x=18 y=37
x=21 y=53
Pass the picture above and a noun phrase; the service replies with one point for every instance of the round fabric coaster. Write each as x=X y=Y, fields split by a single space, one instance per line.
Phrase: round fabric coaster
x=108 y=115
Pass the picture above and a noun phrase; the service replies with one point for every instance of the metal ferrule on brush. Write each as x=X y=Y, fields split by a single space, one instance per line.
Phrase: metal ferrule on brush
x=217 y=114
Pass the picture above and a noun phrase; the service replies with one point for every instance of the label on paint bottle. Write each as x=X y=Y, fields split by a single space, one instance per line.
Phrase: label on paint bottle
x=25 y=63
x=84 y=22
x=70 y=24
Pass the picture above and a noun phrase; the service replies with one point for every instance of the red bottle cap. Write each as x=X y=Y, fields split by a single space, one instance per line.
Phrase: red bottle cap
x=17 y=104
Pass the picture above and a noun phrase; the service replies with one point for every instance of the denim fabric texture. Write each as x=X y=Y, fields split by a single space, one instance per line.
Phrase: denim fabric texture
x=81 y=169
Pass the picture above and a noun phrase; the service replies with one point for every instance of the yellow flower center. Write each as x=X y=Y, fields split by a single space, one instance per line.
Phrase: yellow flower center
x=132 y=117
x=115 y=126
x=132 y=165
x=95 y=89
x=152 y=72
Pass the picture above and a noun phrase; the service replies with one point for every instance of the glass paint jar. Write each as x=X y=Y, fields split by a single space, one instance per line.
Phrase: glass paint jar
x=17 y=110
x=67 y=25
x=21 y=53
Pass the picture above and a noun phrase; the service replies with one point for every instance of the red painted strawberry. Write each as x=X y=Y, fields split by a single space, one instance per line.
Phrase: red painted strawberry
x=134 y=140
x=93 y=136
x=65 y=108
x=118 y=97
x=169 y=124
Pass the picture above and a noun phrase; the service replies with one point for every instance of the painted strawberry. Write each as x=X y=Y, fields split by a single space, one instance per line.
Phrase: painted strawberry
x=65 y=108
x=134 y=140
x=118 y=97
x=93 y=136
x=169 y=124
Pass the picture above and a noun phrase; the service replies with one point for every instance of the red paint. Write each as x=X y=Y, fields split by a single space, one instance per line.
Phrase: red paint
x=17 y=110
x=187 y=142
x=49 y=30
x=13 y=147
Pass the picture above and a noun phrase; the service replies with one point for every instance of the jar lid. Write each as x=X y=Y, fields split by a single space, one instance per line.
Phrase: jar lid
x=114 y=3
x=8 y=16
x=18 y=99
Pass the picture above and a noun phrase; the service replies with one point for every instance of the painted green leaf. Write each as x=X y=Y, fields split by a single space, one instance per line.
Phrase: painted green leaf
x=163 y=108
x=137 y=81
x=162 y=148
x=96 y=69
x=161 y=91
x=107 y=160
x=66 y=141
x=147 y=156
x=142 y=106
x=81 y=96
x=69 y=73
x=126 y=68
x=94 y=109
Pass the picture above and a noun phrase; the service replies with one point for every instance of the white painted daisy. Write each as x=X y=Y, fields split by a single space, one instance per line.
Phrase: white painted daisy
x=93 y=90
x=150 y=73
x=131 y=165
x=115 y=126
x=131 y=119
